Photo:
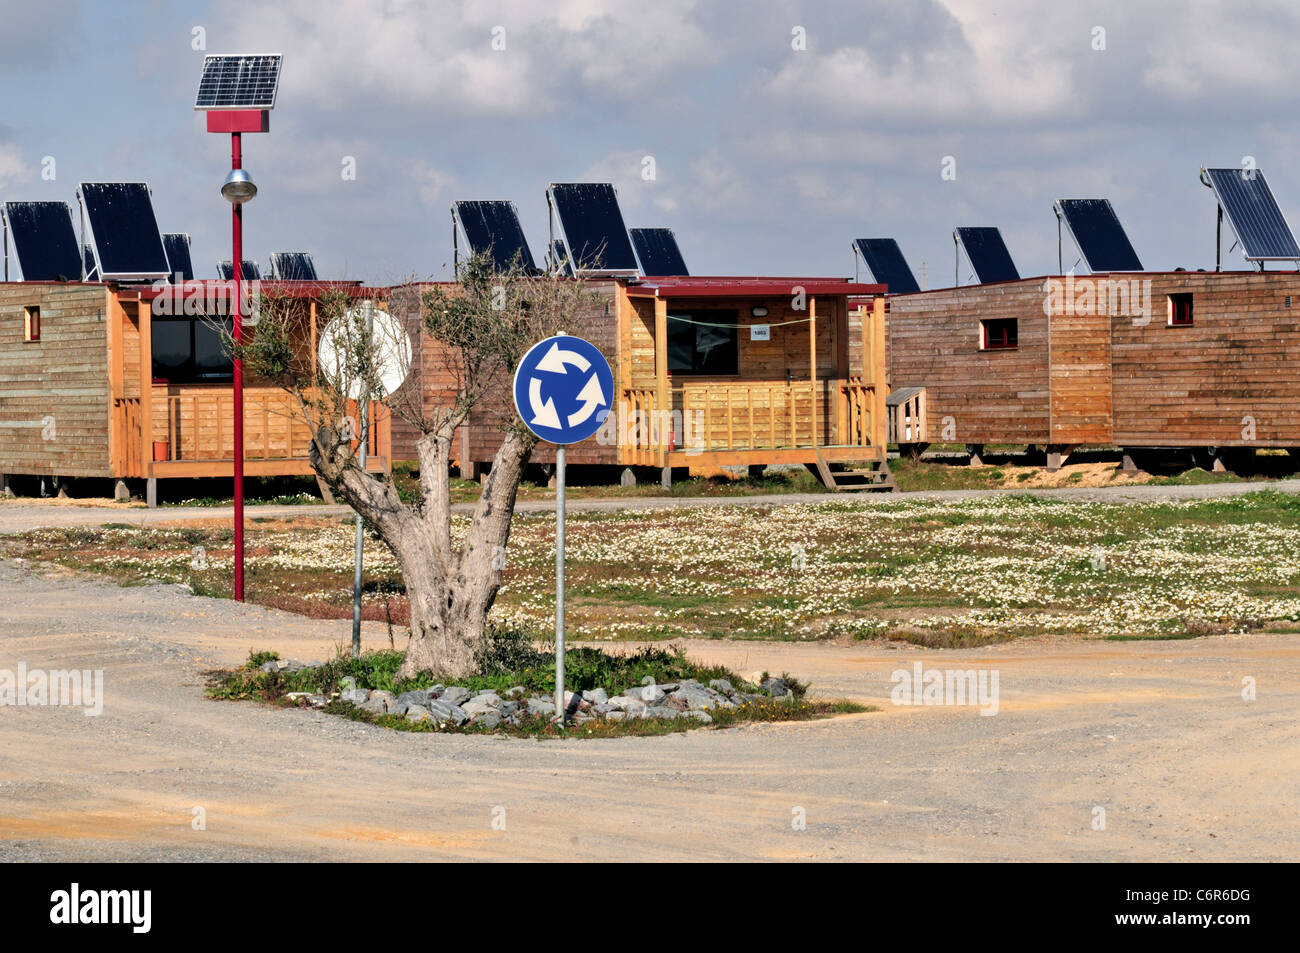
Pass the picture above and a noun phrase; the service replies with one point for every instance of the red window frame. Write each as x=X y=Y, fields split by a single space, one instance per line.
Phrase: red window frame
x=999 y=334
x=1181 y=311
x=31 y=324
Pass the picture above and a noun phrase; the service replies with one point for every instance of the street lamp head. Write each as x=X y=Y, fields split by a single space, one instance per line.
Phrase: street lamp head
x=238 y=187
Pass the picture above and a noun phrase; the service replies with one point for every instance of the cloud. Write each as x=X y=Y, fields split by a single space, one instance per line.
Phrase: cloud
x=12 y=165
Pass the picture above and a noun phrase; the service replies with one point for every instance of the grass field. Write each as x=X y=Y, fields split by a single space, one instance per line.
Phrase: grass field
x=941 y=573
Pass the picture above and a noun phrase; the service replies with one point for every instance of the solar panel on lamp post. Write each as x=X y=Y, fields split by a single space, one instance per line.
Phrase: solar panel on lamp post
x=238 y=93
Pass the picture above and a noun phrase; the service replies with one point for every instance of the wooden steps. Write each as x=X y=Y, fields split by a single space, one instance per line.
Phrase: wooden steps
x=852 y=469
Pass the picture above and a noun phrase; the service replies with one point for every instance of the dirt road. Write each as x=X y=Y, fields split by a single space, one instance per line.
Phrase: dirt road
x=1157 y=734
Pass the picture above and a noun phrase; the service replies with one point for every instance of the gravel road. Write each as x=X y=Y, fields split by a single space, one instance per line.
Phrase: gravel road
x=17 y=516
x=1156 y=733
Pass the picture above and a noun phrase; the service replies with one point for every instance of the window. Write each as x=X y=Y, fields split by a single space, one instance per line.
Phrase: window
x=31 y=324
x=703 y=342
x=1180 y=310
x=189 y=351
x=999 y=334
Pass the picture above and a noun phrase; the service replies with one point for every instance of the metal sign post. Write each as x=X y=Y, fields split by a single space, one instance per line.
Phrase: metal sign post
x=387 y=351
x=563 y=390
x=559 y=582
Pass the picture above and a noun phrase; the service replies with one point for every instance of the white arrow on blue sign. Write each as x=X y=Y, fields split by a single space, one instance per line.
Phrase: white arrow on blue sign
x=564 y=389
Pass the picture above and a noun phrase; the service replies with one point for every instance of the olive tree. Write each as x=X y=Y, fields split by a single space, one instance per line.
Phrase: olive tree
x=474 y=333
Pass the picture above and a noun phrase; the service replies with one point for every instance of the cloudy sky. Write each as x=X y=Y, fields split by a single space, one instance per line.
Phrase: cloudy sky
x=777 y=131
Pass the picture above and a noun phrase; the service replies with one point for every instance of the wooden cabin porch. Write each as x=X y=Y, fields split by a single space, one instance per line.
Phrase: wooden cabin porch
x=165 y=423
x=795 y=386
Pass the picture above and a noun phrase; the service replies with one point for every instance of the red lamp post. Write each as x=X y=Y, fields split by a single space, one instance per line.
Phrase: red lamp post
x=238 y=93
x=238 y=189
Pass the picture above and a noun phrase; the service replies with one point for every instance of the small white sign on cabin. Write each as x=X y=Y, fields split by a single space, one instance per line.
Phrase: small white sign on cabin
x=760 y=332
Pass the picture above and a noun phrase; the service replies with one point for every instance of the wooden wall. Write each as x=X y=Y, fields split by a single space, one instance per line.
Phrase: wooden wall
x=1238 y=364
x=1113 y=371
x=991 y=396
x=63 y=378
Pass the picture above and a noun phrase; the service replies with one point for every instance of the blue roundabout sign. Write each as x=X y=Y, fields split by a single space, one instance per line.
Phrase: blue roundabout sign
x=564 y=389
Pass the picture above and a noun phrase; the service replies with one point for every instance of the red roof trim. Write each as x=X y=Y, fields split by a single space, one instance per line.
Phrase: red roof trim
x=760 y=287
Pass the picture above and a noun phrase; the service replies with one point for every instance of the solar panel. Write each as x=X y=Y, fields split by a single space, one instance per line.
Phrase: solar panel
x=1248 y=202
x=884 y=259
x=88 y=257
x=248 y=270
x=558 y=260
x=987 y=254
x=493 y=229
x=657 y=251
x=239 y=82
x=1098 y=235
x=44 y=240
x=177 y=246
x=293 y=266
x=591 y=225
x=124 y=230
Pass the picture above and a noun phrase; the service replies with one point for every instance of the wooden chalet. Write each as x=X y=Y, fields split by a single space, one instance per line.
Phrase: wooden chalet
x=131 y=382
x=716 y=372
x=1137 y=360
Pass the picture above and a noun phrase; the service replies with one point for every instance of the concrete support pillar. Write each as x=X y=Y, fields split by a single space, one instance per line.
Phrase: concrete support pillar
x=627 y=478
x=5 y=488
x=326 y=493
x=1216 y=465
x=120 y=491
x=976 y=451
x=1127 y=465
x=151 y=491
x=666 y=478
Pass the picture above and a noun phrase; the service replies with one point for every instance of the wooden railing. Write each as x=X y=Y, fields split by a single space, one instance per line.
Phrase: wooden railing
x=906 y=413
x=745 y=415
x=856 y=402
x=196 y=426
x=127 y=452
x=643 y=434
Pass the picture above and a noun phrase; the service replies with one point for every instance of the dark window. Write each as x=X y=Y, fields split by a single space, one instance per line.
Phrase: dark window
x=1180 y=310
x=999 y=334
x=703 y=342
x=188 y=351
x=31 y=324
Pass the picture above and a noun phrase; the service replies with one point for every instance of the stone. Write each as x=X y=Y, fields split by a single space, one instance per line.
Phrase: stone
x=297 y=696
x=649 y=694
x=517 y=692
x=697 y=697
x=419 y=696
x=418 y=713
x=436 y=690
x=455 y=695
x=506 y=709
x=318 y=701
x=541 y=707
x=475 y=708
x=489 y=719
x=596 y=696
x=604 y=709
x=347 y=683
x=354 y=696
x=452 y=713
x=376 y=706
x=615 y=716
x=775 y=686
x=648 y=680
x=633 y=708
x=722 y=685
x=703 y=717
x=660 y=711
x=386 y=697
x=491 y=699
x=396 y=707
